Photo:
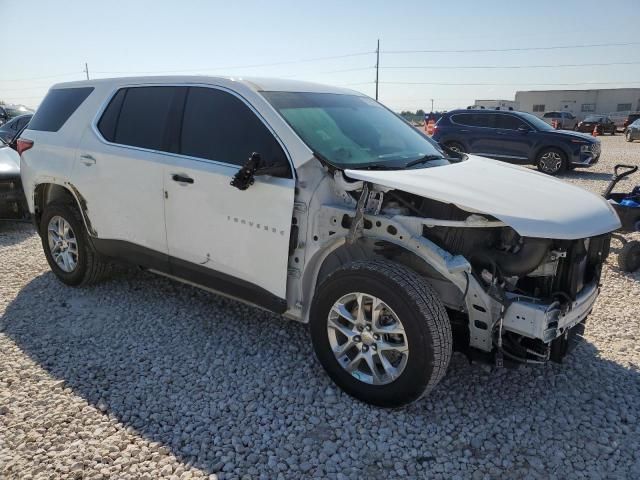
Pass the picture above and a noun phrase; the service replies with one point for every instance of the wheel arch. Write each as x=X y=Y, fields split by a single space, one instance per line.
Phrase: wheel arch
x=340 y=253
x=567 y=154
x=46 y=193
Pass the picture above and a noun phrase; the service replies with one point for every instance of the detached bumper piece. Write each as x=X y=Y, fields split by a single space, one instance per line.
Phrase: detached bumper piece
x=13 y=204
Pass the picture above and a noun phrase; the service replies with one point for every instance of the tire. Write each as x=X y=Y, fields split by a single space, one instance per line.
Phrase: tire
x=629 y=256
x=455 y=146
x=551 y=161
x=409 y=299
x=627 y=136
x=90 y=267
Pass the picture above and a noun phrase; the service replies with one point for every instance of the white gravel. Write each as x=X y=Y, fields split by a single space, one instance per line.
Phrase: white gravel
x=143 y=378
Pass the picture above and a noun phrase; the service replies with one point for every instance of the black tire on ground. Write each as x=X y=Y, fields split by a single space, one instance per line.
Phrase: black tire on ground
x=91 y=267
x=455 y=146
x=629 y=256
x=627 y=136
x=613 y=132
x=562 y=159
x=423 y=316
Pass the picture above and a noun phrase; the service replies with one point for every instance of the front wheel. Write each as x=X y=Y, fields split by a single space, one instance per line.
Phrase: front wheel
x=551 y=161
x=381 y=332
x=627 y=136
x=67 y=248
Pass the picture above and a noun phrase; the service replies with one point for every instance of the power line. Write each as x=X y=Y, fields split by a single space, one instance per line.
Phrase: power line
x=40 y=78
x=483 y=67
x=514 y=49
x=509 y=84
x=257 y=65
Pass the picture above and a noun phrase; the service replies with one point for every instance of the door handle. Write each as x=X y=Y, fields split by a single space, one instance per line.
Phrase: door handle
x=87 y=159
x=176 y=177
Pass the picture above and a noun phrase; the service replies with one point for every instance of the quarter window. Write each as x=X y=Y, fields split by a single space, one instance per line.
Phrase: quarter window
x=538 y=108
x=57 y=107
x=219 y=126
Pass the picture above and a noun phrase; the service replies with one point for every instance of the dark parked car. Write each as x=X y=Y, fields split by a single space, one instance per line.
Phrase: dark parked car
x=13 y=204
x=13 y=127
x=604 y=124
x=632 y=132
x=7 y=112
x=516 y=137
x=630 y=119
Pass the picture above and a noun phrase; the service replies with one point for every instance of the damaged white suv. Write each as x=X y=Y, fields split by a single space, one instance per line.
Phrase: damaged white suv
x=320 y=204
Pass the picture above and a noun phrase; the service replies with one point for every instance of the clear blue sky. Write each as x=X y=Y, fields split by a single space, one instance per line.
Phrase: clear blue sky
x=116 y=38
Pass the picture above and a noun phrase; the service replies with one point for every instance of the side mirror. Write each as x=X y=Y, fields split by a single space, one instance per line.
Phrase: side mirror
x=246 y=175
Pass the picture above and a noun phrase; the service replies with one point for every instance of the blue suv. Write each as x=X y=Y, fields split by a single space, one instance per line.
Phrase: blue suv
x=516 y=137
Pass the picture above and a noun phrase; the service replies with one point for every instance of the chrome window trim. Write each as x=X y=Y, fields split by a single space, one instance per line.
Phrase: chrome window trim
x=109 y=97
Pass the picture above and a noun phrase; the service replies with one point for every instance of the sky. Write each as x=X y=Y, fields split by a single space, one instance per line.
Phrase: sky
x=327 y=41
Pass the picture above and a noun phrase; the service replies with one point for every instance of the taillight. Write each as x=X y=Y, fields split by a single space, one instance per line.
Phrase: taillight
x=22 y=145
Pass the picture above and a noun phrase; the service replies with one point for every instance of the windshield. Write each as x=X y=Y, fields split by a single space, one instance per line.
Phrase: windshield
x=350 y=131
x=593 y=118
x=14 y=112
x=536 y=122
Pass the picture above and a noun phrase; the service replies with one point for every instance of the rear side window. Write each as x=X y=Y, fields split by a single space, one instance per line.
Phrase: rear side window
x=509 y=122
x=219 y=126
x=142 y=117
x=57 y=107
x=474 y=119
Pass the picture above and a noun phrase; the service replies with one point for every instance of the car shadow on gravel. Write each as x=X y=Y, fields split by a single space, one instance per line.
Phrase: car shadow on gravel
x=229 y=388
x=13 y=232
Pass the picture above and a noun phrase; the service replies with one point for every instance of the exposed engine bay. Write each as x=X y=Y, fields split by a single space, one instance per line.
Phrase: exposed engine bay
x=536 y=280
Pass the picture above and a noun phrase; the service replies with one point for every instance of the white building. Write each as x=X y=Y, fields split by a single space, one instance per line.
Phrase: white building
x=615 y=102
x=494 y=104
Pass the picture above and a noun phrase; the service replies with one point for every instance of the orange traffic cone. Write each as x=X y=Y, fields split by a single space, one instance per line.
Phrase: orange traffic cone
x=430 y=125
x=554 y=124
x=595 y=132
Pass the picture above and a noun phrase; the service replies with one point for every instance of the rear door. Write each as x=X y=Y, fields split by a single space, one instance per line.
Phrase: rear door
x=120 y=173
x=234 y=241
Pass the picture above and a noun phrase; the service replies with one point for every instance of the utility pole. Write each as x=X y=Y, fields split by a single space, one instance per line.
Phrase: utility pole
x=377 y=66
x=432 y=104
x=86 y=69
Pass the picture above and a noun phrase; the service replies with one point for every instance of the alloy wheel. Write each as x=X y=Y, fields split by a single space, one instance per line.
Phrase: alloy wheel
x=63 y=244
x=550 y=162
x=367 y=338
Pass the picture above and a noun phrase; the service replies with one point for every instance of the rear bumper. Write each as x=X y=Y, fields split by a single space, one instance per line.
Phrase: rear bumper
x=13 y=203
x=548 y=321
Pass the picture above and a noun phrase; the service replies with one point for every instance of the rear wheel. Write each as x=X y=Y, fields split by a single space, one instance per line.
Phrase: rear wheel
x=551 y=161
x=455 y=146
x=67 y=248
x=627 y=136
x=381 y=332
x=629 y=256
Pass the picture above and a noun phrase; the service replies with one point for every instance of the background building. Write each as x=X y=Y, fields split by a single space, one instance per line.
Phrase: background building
x=493 y=104
x=615 y=102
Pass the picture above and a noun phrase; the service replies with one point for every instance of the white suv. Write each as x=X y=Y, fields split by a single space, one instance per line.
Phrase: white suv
x=320 y=204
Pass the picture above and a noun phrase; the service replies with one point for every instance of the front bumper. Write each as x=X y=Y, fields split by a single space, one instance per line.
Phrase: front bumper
x=547 y=321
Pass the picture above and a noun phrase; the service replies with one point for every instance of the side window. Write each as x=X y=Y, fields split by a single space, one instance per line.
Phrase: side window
x=219 y=126
x=472 y=119
x=143 y=117
x=57 y=107
x=508 y=122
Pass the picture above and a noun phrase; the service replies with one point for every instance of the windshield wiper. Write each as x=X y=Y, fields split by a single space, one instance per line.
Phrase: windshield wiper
x=426 y=158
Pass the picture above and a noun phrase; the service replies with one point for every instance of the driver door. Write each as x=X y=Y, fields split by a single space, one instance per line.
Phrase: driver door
x=233 y=241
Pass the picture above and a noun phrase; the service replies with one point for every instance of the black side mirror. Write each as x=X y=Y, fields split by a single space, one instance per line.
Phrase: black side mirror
x=246 y=175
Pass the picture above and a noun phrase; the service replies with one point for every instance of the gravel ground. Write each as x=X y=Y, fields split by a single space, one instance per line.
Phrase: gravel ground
x=143 y=378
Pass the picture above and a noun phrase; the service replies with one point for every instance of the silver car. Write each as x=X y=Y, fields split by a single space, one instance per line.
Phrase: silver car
x=566 y=120
x=633 y=131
